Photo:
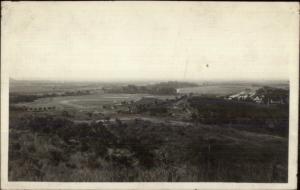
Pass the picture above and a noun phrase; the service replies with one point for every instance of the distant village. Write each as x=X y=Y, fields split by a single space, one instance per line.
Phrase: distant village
x=265 y=95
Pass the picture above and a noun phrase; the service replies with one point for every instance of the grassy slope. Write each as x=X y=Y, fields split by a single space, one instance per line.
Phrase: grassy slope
x=57 y=150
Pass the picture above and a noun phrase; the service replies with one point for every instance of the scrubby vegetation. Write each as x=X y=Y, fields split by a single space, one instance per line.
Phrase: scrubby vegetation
x=48 y=148
x=186 y=138
x=254 y=117
x=213 y=110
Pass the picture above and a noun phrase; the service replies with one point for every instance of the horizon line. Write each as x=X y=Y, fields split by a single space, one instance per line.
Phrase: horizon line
x=146 y=80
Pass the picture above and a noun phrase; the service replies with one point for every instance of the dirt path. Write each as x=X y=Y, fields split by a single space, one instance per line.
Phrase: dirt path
x=143 y=118
x=253 y=137
x=70 y=103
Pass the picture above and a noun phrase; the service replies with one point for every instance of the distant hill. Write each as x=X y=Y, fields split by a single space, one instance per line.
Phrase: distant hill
x=159 y=88
x=12 y=80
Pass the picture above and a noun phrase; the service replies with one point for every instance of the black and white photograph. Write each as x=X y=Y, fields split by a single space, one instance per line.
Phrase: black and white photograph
x=156 y=95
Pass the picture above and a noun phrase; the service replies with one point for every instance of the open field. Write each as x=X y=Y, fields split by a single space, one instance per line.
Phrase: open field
x=220 y=89
x=28 y=87
x=88 y=102
x=216 y=89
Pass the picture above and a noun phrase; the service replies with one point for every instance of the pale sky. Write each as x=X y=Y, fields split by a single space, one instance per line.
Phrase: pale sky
x=149 y=40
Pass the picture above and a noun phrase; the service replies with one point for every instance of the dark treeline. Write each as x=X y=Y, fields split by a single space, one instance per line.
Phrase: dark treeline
x=274 y=118
x=160 y=88
x=18 y=98
x=213 y=110
x=276 y=94
x=210 y=110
